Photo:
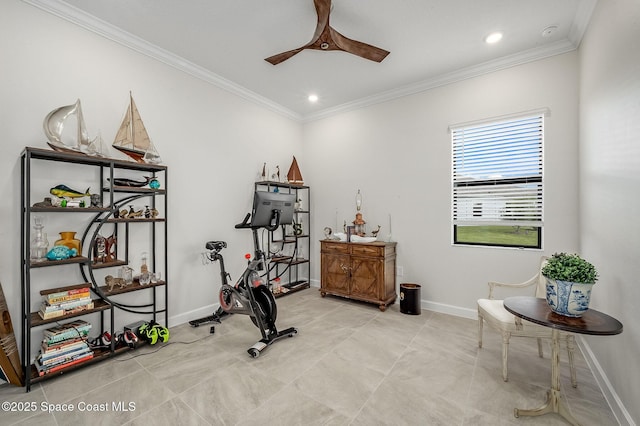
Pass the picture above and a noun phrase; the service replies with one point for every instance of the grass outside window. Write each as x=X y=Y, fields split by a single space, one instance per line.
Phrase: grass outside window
x=496 y=235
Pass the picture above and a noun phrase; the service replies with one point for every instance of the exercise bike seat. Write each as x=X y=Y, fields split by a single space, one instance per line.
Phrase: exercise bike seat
x=215 y=245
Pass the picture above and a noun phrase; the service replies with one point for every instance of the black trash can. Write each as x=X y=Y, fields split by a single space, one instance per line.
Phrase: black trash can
x=410 y=298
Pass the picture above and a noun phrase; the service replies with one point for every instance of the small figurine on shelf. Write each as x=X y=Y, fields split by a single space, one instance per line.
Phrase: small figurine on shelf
x=99 y=249
x=44 y=203
x=110 y=248
x=61 y=253
x=154 y=184
x=134 y=214
x=95 y=200
x=111 y=282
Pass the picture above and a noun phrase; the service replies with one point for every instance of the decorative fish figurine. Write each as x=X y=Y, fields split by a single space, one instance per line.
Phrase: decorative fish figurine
x=131 y=182
x=64 y=191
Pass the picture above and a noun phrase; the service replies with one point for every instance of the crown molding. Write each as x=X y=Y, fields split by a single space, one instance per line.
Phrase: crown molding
x=581 y=21
x=89 y=22
x=504 y=62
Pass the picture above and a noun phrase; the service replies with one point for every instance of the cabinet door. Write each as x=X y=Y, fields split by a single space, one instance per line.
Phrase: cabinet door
x=366 y=278
x=335 y=273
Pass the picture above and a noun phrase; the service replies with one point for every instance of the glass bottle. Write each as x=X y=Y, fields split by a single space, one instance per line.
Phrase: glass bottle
x=143 y=262
x=39 y=245
x=68 y=238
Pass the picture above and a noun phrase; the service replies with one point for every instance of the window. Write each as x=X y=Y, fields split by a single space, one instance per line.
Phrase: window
x=497 y=182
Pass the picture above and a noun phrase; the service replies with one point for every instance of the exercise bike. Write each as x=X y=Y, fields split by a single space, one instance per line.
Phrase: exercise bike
x=250 y=296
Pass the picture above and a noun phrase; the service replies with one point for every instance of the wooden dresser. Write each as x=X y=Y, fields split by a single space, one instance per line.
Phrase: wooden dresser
x=362 y=271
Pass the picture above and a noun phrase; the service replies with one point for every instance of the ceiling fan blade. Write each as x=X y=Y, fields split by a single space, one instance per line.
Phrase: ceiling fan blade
x=323 y=8
x=358 y=48
x=280 y=57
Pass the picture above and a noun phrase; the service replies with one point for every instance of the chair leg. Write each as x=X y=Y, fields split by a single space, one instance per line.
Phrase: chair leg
x=480 y=321
x=505 y=355
x=540 y=347
x=571 y=346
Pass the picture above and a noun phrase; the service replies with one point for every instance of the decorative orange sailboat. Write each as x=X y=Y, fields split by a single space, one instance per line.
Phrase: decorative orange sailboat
x=132 y=138
x=294 y=176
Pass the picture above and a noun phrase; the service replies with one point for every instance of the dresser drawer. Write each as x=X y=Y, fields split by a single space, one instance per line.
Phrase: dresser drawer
x=367 y=250
x=329 y=247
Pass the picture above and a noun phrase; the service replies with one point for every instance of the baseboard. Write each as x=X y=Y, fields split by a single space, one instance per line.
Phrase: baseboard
x=434 y=306
x=195 y=314
x=618 y=408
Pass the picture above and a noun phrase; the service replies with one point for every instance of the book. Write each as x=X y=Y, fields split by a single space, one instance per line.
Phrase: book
x=63 y=355
x=47 y=307
x=44 y=370
x=67 y=298
x=64 y=291
x=74 y=329
x=46 y=348
x=61 y=312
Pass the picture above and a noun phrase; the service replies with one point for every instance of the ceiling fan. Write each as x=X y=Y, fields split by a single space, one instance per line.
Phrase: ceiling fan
x=326 y=38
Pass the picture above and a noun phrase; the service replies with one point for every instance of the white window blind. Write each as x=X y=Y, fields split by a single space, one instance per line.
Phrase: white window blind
x=497 y=172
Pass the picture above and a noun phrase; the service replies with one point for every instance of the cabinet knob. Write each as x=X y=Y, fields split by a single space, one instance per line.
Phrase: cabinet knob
x=344 y=268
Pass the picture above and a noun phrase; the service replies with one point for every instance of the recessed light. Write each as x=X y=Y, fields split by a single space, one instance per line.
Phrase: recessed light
x=493 y=38
x=549 y=31
x=313 y=98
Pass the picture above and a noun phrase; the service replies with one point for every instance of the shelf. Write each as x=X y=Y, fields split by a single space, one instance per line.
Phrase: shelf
x=288 y=259
x=293 y=287
x=71 y=260
x=135 y=189
x=98 y=355
x=281 y=184
x=65 y=288
x=290 y=239
x=69 y=209
x=69 y=157
x=102 y=265
x=142 y=219
x=99 y=305
x=135 y=286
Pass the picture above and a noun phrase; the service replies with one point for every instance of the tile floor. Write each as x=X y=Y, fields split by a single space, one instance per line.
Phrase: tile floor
x=350 y=364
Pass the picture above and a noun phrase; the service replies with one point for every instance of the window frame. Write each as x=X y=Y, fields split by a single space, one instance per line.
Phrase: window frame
x=532 y=176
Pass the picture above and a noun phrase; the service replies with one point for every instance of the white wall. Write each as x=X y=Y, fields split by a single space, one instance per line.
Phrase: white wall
x=399 y=155
x=609 y=182
x=214 y=143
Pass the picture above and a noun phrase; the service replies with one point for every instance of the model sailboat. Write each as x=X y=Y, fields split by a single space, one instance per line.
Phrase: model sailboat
x=75 y=141
x=294 y=176
x=132 y=138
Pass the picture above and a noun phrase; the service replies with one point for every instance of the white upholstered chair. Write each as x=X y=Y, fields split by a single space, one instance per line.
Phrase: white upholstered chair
x=492 y=312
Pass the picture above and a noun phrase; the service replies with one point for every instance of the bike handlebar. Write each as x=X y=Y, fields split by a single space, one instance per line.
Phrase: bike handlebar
x=246 y=224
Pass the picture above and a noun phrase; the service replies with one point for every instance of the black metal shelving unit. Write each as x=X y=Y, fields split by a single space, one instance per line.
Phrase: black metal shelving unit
x=289 y=247
x=112 y=197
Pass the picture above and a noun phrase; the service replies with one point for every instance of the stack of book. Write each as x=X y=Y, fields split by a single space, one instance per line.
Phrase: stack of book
x=59 y=302
x=64 y=346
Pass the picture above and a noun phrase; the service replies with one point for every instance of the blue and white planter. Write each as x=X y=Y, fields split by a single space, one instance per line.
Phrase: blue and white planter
x=567 y=298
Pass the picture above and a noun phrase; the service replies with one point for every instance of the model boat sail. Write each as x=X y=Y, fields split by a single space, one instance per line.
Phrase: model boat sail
x=60 y=118
x=132 y=138
x=54 y=126
x=294 y=176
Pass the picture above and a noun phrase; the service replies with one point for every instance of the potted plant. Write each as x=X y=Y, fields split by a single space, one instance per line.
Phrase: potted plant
x=569 y=282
